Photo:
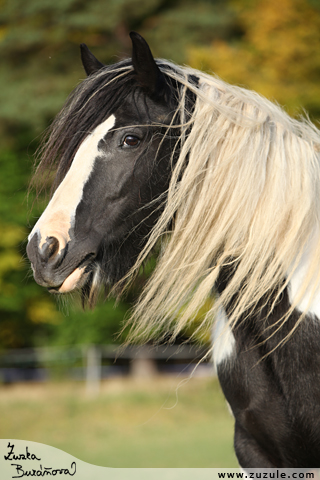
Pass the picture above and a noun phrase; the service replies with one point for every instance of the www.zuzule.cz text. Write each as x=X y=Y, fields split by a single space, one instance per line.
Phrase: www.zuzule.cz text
x=275 y=474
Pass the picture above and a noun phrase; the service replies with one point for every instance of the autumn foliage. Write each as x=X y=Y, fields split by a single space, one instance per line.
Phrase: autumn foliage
x=278 y=54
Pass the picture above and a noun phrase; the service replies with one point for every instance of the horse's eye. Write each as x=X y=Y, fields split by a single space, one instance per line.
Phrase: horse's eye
x=131 y=141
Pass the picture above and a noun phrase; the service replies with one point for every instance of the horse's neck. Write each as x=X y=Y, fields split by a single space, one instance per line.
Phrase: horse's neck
x=309 y=302
x=261 y=327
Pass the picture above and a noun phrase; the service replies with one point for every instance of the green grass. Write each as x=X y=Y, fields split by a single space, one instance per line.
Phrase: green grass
x=130 y=423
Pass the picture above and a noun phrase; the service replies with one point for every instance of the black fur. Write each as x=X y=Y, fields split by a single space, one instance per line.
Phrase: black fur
x=274 y=390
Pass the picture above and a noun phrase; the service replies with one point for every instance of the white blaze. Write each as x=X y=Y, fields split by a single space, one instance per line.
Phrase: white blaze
x=58 y=217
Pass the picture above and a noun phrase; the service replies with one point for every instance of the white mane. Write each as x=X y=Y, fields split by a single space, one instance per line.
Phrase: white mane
x=245 y=190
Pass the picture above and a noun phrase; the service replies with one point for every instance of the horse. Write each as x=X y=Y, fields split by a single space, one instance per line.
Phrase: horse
x=224 y=184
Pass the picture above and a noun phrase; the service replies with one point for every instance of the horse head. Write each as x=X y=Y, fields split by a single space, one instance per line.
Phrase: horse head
x=114 y=142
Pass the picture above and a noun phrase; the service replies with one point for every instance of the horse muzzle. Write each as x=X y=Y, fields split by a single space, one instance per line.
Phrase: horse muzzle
x=55 y=266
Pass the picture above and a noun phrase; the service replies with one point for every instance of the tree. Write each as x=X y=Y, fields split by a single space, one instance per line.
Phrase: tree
x=39 y=46
x=278 y=54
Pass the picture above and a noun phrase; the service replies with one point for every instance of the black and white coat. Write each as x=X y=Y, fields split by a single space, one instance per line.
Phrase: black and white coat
x=273 y=389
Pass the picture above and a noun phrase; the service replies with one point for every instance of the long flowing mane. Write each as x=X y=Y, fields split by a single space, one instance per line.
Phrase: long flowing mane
x=244 y=193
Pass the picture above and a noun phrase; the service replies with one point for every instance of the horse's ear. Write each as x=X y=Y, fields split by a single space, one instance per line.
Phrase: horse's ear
x=147 y=71
x=90 y=63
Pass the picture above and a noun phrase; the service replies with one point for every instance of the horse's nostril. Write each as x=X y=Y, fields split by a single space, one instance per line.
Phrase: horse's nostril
x=50 y=249
x=53 y=246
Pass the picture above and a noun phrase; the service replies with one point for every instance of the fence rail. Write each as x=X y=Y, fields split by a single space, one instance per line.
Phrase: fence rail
x=94 y=362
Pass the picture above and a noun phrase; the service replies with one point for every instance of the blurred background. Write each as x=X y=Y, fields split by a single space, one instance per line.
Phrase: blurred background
x=62 y=381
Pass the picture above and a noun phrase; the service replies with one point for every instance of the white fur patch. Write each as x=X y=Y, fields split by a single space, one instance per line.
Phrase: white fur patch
x=58 y=217
x=223 y=338
x=297 y=279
